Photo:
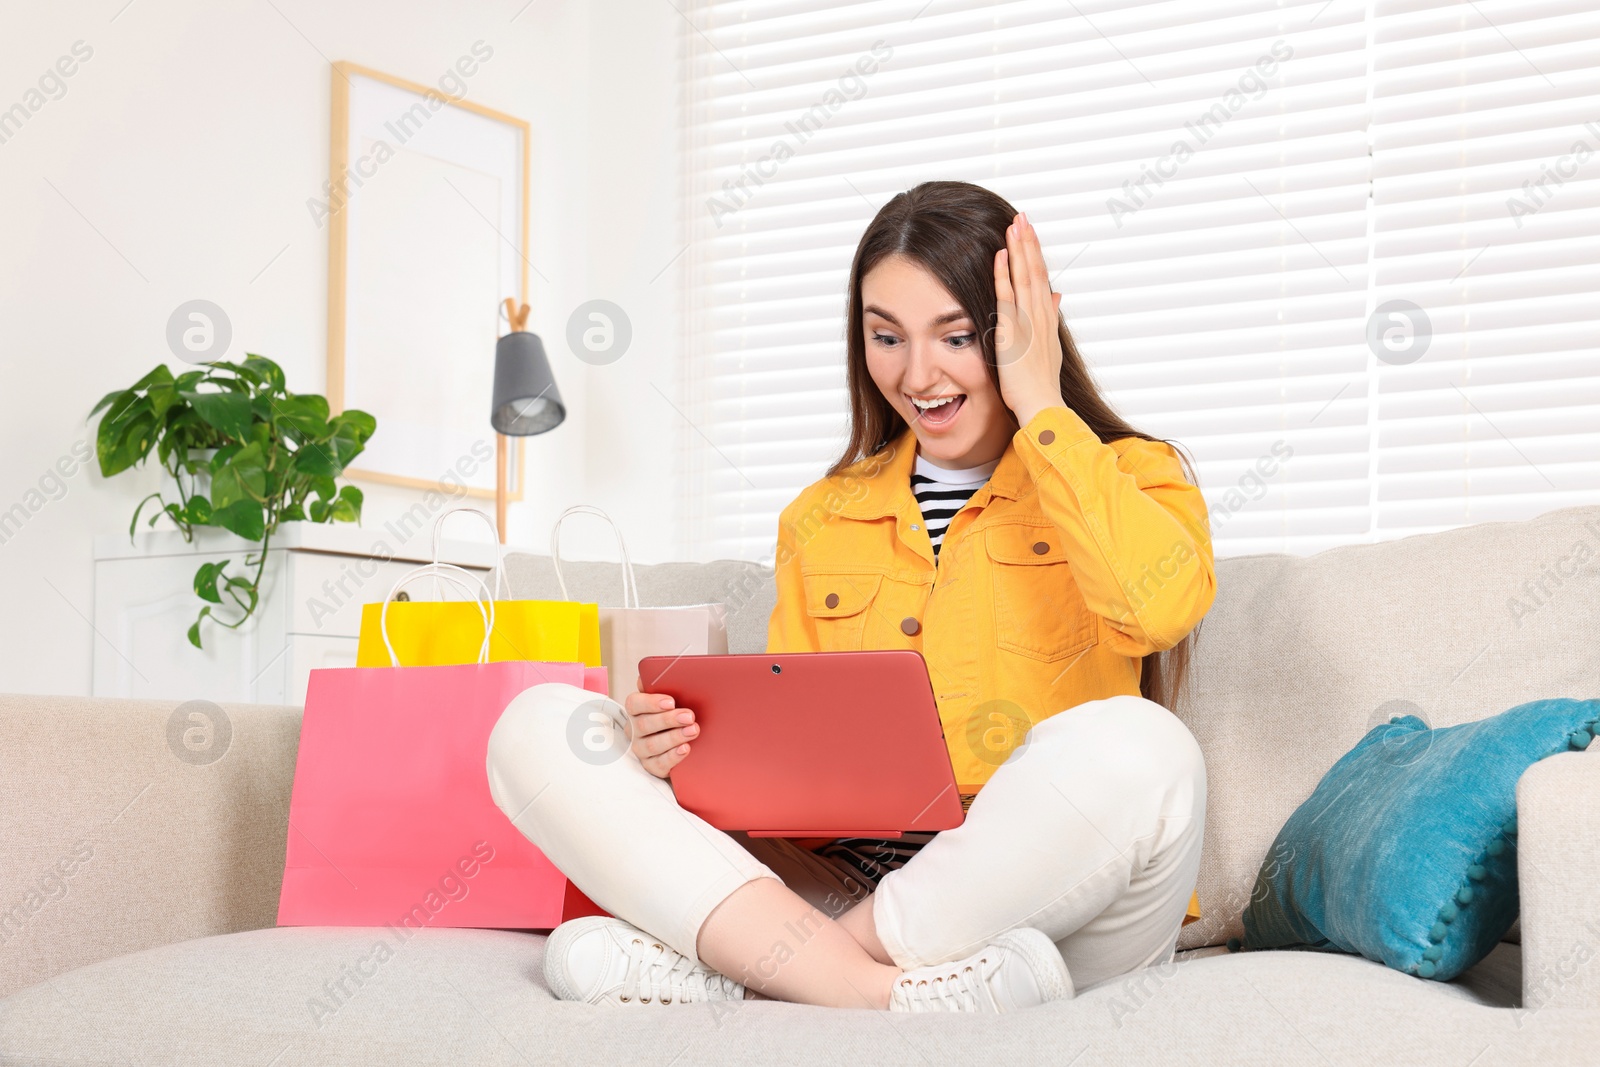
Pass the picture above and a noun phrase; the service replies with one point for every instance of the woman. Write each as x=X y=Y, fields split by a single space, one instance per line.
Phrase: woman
x=1048 y=561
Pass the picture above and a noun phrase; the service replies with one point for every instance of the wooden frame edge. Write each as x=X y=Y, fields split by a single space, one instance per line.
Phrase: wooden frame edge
x=338 y=233
x=339 y=251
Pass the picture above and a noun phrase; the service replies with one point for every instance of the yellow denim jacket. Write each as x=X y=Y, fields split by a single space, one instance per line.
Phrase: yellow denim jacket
x=1057 y=577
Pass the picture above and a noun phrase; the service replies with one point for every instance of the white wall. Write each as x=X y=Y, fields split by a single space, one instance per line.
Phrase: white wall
x=177 y=165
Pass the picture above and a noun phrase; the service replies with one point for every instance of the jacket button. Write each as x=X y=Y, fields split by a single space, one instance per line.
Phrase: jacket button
x=832 y=601
x=1040 y=548
x=1046 y=436
x=909 y=626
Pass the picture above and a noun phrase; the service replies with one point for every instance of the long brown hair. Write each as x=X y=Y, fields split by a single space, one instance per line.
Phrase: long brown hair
x=953 y=229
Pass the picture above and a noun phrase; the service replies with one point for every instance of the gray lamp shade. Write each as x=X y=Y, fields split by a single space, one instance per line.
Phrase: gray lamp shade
x=526 y=400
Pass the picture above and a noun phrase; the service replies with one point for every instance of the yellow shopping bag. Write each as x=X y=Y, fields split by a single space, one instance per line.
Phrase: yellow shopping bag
x=441 y=633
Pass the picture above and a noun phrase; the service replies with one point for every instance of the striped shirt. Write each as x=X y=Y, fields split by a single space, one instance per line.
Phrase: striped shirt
x=940 y=493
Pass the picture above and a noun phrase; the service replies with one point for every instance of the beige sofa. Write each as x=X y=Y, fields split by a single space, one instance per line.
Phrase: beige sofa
x=158 y=946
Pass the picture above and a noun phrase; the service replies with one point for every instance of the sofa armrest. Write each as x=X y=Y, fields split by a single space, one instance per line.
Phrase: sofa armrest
x=120 y=834
x=1558 y=874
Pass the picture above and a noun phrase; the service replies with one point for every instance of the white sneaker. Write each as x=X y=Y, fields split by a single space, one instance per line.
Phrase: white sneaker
x=601 y=960
x=1021 y=969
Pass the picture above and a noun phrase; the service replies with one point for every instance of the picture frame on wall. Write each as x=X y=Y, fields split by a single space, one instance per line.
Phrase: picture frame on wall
x=428 y=234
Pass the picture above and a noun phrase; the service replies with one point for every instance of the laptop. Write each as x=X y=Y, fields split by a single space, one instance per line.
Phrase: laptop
x=811 y=744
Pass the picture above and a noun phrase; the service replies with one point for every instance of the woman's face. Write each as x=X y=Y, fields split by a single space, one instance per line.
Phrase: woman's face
x=921 y=346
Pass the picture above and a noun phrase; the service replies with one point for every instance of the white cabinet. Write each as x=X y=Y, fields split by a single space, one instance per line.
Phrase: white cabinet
x=316 y=579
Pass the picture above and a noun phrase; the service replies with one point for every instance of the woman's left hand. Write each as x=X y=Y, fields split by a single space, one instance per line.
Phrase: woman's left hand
x=1027 y=345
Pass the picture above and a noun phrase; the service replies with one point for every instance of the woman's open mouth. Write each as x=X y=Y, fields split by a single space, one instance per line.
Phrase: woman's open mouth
x=940 y=412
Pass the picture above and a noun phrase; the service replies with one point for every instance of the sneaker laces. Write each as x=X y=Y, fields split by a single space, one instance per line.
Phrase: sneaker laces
x=682 y=978
x=954 y=990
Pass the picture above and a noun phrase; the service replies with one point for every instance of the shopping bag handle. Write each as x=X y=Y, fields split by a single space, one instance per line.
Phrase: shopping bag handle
x=630 y=585
x=440 y=570
x=502 y=587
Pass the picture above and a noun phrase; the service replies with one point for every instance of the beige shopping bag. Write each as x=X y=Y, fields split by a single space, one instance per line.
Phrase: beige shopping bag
x=631 y=632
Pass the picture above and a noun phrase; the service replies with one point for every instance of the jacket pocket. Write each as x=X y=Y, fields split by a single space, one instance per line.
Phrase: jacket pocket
x=1039 y=611
x=838 y=603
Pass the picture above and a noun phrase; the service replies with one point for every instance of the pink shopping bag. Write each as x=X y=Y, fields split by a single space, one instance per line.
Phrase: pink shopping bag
x=390 y=818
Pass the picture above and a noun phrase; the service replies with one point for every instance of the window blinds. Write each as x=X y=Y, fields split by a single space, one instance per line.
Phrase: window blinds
x=1486 y=213
x=1257 y=214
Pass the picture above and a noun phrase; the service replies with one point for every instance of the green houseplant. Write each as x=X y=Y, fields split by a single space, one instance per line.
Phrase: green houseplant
x=274 y=457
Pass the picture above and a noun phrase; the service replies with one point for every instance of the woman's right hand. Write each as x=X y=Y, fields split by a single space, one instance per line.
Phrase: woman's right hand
x=661 y=732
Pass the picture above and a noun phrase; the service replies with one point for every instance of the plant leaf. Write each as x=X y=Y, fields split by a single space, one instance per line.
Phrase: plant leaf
x=190 y=428
x=123 y=401
x=246 y=518
x=317 y=404
x=361 y=425
x=347 y=447
x=224 y=456
x=269 y=372
x=306 y=414
x=162 y=396
x=112 y=433
x=135 y=523
x=194 y=630
x=131 y=442
x=199 y=511
x=228 y=413
x=158 y=373
x=205 y=581
x=242 y=478
x=317 y=458
x=235 y=369
x=107 y=399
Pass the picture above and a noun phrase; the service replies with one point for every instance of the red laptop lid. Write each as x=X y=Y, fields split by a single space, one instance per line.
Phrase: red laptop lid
x=811 y=744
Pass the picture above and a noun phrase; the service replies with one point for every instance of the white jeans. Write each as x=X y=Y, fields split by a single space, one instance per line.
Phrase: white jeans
x=1090 y=832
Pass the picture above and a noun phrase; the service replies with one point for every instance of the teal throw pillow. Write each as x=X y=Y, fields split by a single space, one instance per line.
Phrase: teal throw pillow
x=1406 y=852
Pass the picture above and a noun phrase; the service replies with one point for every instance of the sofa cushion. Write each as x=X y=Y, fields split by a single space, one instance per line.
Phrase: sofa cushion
x=1406 y=851
x=746 y=588
x=311 y=995
x=1301 y=656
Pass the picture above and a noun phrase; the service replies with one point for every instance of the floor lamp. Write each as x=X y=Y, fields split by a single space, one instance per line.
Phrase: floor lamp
x=526 y=400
